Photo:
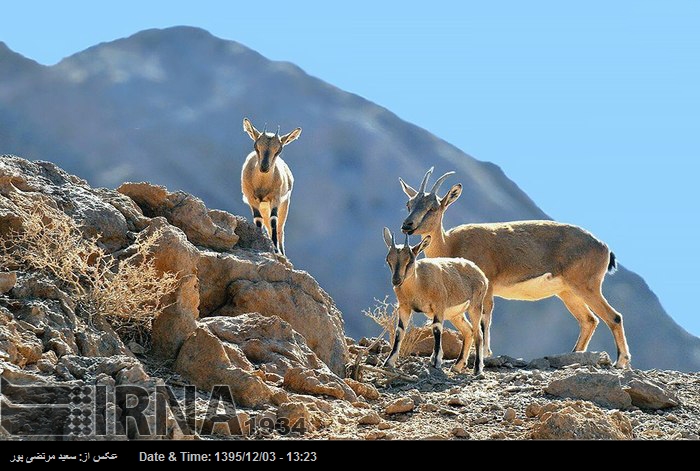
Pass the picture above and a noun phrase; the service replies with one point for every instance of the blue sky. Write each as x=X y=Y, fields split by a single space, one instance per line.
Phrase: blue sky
x=593 y=108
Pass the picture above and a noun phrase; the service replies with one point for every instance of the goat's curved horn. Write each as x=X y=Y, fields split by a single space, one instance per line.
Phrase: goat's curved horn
x=278 y=131
x=265 y=128
x=439 y=181
x=425 y=179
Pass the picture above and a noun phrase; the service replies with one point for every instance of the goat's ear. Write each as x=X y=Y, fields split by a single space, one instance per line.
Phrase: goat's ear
x=388 y=239
x=451 y=195
x=420 y=246
x=250 y=129
x=289 y=137
x=410 y=192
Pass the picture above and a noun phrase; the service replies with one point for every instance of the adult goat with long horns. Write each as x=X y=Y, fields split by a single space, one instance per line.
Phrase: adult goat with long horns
x=525 y=260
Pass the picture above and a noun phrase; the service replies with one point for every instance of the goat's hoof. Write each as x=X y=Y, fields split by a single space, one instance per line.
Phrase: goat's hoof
x=457 y=368
x=622 y=364
x=479 y=375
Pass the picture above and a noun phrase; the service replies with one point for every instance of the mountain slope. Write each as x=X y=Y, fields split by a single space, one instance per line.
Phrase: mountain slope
x=166 y=106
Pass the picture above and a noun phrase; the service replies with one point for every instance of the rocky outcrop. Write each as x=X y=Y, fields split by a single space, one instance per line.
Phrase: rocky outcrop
x=239 y=316
x=249 y=351
x=206 y=228
x=234 y=281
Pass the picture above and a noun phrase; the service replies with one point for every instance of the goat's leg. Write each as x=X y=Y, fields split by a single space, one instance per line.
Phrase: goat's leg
x=436 y=357
x=599 y=305
x=404 y=316
x=284 y=210
x=257 y=217
x=465 y=328
x=274 y=235
x=476 y=310
x=586 y=320
x=486 y=321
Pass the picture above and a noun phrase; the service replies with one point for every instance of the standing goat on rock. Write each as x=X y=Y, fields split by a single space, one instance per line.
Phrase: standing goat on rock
x=267 y=182
x=442 y=289
x=527 y=260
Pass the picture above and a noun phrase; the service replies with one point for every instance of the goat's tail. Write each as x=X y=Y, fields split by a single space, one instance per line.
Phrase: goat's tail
x=612 y=265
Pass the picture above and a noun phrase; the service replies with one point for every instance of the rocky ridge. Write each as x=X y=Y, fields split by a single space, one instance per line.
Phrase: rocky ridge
x=244 y=318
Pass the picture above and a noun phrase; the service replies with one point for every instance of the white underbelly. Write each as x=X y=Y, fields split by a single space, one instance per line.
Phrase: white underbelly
x=531 y=290
x=450 y=312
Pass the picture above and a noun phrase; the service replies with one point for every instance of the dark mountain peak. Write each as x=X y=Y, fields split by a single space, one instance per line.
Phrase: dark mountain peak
x=155 y=54
x=179 y=32
x=11 y=61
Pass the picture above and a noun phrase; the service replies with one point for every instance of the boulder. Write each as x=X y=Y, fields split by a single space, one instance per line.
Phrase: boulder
x=647 y=395
x=603 y=389
x=243 y=282
x=400 y=406
x=203 y=360
x=451 y=343
x=211 y=229
x=580 y=421
x=267 y=342
x=308 y=381
x=366 y=390
x=370 y=418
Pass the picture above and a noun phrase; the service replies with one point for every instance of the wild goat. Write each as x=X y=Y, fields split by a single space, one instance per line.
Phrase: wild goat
x=526 y=260
x=441 y=288
x=267 y=182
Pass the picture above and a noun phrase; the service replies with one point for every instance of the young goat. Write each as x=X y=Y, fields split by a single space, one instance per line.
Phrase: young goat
x=526 y=260
x=441 y=288
x=266 y=181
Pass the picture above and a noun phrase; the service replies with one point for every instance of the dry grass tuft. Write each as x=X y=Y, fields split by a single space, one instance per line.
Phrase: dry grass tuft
x=386 y=316
x=128 y=293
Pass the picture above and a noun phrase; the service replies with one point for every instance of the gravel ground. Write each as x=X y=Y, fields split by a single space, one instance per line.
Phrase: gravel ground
x=506 y=404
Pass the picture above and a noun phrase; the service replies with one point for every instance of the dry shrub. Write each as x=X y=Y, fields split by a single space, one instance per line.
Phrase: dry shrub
x=48 y=241
x=128 y=293
x=131 y=292
x=386 y=316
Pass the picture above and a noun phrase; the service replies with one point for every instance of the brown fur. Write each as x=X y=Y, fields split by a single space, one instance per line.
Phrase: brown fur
x=442 y=289
x=267 y=181
x=526 y=260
